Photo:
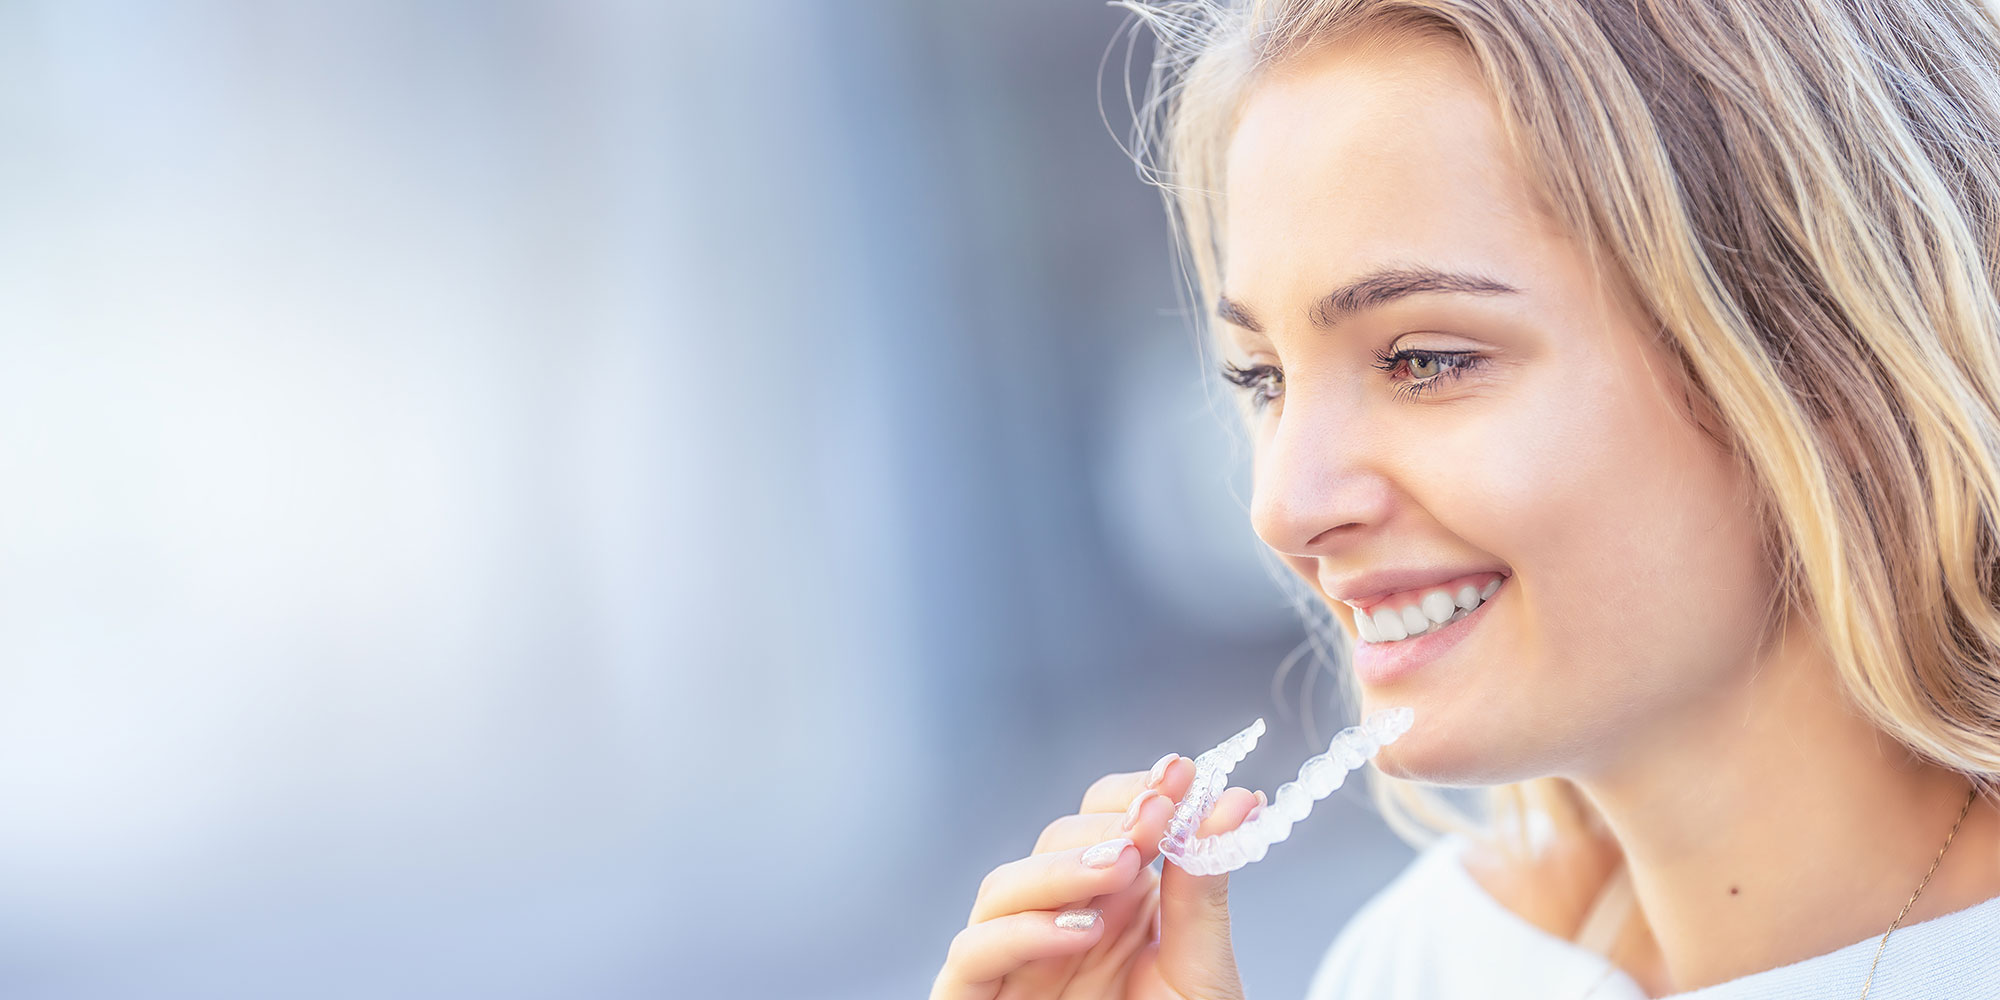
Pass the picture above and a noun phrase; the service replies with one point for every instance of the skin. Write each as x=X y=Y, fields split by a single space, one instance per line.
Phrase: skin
x=1161 y=935
x=1762 y=823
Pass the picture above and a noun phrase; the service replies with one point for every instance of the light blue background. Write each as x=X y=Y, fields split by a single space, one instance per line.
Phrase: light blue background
x=598 y=499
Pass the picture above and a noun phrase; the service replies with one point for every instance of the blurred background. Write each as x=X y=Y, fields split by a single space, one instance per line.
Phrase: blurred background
x=599 y=499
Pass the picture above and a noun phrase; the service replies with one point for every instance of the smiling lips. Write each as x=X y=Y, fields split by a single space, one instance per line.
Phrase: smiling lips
x=1416 y=612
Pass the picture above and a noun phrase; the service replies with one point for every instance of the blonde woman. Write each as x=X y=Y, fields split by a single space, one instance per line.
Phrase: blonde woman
x=1678 y=319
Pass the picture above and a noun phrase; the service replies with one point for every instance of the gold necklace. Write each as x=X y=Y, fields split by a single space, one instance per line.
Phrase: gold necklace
x=1898 y=922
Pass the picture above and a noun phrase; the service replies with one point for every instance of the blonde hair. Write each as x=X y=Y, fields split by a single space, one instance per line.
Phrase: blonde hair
x=1805 y=197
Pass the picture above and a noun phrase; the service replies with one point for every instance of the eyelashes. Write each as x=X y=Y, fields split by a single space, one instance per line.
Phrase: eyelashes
x=1254 y=380
x=1265 y=382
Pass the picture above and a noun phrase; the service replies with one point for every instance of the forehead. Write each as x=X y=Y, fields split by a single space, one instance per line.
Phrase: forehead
x=1359 y=154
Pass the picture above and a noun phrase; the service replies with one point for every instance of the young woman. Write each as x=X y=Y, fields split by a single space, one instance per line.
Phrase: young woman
x=1678 y=320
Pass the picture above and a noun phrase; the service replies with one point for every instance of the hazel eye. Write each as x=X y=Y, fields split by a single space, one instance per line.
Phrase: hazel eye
x=1429 y=370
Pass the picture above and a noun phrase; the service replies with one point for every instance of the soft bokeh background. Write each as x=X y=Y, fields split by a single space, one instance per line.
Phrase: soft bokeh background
x=578 y=498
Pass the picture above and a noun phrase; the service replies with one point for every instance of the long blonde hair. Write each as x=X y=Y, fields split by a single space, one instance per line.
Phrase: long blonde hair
x=1805 y=195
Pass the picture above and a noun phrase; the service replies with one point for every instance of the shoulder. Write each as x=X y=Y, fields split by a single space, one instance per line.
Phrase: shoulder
x=1434 y=932
x=1406 y=925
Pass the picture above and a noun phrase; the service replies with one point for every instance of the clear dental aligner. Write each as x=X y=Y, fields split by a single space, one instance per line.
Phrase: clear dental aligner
x=1318 y=777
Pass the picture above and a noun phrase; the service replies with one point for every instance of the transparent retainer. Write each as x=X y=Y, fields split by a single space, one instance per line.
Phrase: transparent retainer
x=1318 y=777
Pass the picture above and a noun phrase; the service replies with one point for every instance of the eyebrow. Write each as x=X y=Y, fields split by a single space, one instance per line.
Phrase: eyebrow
x=1374 y=289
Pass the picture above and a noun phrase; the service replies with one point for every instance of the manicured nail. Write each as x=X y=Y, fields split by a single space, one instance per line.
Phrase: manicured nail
x=1078 y=920
x=1261 y=800
x=1138 y=806
x=1106 y=854
x=1159 y=771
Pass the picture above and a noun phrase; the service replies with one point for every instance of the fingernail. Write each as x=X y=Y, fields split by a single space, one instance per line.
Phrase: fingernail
x=1261 y=800
x=1106 y=854
x=1159 y=771
x=1078 y=920
x=1138 y=806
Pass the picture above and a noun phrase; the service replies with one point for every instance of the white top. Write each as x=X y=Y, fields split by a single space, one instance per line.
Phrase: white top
x=1434 y=933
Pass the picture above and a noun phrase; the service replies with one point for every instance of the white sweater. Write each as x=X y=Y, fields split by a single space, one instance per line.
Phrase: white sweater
x=1434 y=933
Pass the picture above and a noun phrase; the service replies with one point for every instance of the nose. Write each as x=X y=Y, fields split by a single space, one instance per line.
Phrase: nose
x=1318 y=480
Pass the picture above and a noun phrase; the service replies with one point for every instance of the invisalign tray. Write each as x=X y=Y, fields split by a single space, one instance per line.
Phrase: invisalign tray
x=1318 y=777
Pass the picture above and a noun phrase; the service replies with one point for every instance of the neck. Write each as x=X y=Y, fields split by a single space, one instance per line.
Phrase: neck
x=1793 y=828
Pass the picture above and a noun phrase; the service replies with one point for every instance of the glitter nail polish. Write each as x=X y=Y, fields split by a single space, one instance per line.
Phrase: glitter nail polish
x=1106 y=854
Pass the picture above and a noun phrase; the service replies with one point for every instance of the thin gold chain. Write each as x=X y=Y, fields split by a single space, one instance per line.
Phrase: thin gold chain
x=1898 y=922
x=1969 y=796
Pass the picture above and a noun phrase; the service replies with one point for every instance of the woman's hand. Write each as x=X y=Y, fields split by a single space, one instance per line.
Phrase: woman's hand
x=1155 y=935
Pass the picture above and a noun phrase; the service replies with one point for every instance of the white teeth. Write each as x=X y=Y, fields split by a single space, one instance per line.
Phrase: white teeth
x=1438 y=606
x=1389 y=625
x=1414 y=621
x=1435 y=609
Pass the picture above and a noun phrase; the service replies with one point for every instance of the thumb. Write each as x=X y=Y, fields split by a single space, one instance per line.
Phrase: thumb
x=1195 y=952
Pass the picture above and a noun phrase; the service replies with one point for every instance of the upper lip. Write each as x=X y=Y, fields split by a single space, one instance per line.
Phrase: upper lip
x=1365 y=589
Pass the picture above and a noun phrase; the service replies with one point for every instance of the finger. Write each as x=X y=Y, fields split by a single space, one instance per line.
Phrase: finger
x=1144 y=821
x=1195 y=953
x=1054 y=879
x=1171 y=775
x=1120 y=905
x=1069 y=975
x=1230 y=808
x=985 y=952
x=1135 y=927
x=1138 y=923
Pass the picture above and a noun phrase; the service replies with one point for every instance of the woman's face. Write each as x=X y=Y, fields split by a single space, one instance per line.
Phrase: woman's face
x=1559 y=452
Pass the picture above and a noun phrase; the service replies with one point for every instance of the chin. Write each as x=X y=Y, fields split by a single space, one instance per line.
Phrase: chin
x=1467 y=731
x=1454 y=757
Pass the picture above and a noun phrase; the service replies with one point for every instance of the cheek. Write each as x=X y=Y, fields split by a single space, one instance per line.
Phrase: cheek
x=1637 y=583
x=1636 y=547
